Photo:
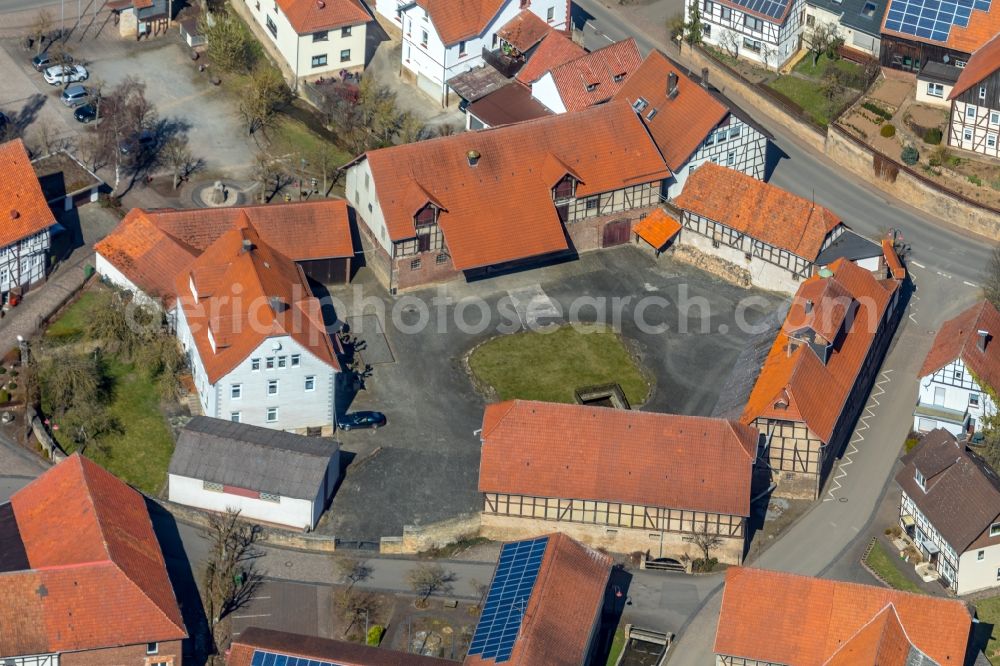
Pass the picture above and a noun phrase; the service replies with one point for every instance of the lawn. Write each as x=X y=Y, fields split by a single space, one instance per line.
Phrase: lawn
x=806 y=93
x=885 y=565
x=550 y=366
x=617 y=645
x=824 y=64
x=988 y=612
x=140 y=453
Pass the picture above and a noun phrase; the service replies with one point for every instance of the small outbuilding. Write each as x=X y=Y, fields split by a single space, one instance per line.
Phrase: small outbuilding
x=269 y=475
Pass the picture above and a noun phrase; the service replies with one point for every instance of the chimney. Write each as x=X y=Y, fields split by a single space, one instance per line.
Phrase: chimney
x=808 y=306
x=704 y=77
x=276 y=304
x=672 y=85
x=473 y=157
x=320 y=4
x=14 y=214
x=984 y=337
x=247 y=246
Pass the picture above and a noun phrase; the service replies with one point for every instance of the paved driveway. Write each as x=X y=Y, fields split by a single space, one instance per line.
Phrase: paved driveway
x=423 y=466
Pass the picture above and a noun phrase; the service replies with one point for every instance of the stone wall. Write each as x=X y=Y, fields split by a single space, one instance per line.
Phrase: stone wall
x=420 y=538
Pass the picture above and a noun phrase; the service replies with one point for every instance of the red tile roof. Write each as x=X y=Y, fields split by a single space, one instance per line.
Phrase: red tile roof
x=982 y=64
x=892 y=261
x=958 y=338
x=579 y=452
x=525 y=30
x=244 y=298
x=794 y=384
x=597 y=76
x=556 y=49
x=97 y=577
x=760 y=210
x=657 y=228
x=512 y=103
x=484 y=222
x=309 y=16
x=783 y=618
x=152 y=247
x=681 y=124
x=456 y=20
x=982 y=27
x=23 y=211
x=321 y=649
x=564 y=607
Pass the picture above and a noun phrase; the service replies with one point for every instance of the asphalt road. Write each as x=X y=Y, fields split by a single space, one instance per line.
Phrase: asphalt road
x=935 y=244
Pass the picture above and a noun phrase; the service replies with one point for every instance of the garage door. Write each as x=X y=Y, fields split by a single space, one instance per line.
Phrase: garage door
x=616 y=233
x=429 y=86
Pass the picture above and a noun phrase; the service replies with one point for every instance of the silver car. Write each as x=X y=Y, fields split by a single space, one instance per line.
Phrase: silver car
x=75 y=95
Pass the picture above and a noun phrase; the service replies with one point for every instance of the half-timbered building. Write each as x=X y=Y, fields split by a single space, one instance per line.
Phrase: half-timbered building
x=505 y=197
x=618 y=479
x=770 y=618
x=975 y=103
x=807 y=394
x=26 y=222
x=961 y=373
x=765 y=31
x=691 y=122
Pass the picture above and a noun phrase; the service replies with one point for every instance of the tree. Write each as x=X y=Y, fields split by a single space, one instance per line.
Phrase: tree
x=122 y=323
x=69 y=378
x=823 y=39
x=266 y=93
x=61 y=55
x=693 y=30
x=231 y=46
x=326 y=158
x=428 y=579
x=991 y=286
x=829 y=86
x=411 y=128
x=352 y=569
x=268 y=173
x=730 y=40
x=40 y=29
x=676 y=26
x=356 y=605
x=88 y=420
x=178 y=157
x=126 y=112
x=230 y=577
x=706 y=541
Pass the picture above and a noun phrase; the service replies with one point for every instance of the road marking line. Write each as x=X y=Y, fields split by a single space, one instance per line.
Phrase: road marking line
x=858 y=436
x=918 y=264
x=260 y=597
x=969 y=284
x=944 y=275
x=244 y=617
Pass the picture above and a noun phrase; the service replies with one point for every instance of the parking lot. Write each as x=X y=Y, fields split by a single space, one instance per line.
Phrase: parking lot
x=182 y=96
x=423 y=466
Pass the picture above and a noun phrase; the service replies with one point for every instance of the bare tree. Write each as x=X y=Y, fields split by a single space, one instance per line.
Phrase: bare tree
x=325 y=158
x=46 y=138
x=268 y=173
x=428 y=579
x=823 y=39
x=706 y=541
x=178 y=157
x=352 y=570
x=230 y=577
x=768 y=54
x=730 y=41
x=40 y=29
x=266 y=93
x=126 y=112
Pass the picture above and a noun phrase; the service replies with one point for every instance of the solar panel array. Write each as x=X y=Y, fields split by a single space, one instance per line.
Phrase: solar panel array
x=931 y=19
x=264 y=658
x=507 y=599
x=773 y=8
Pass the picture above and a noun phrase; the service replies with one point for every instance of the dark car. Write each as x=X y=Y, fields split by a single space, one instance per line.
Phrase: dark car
x=361 y=420
x=137 y=142
x=3 y=121
x=43 y=61
x=86 y=113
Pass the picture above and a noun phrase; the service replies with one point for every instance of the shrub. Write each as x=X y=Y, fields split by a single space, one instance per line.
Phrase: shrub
x=888 y=130
x=933 y=136
x=909 y=155
x=877 y=110
x=976 y=180
x=939 y=156
x=4 y=397
x=375 y=635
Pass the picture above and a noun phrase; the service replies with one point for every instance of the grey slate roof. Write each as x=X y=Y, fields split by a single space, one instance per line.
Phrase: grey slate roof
x=940 y=72
x=736 y=391
x=850 y=246
x=963 y=493
x=251 y=457
x=852 y=16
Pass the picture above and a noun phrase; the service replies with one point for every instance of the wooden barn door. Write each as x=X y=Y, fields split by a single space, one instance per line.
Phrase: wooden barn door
x=616 y=232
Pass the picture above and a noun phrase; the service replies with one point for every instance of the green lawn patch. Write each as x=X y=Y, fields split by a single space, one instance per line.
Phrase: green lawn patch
x=824 y=64
x=807 y=95
x=988 y=612
x=71 y=323
x=617 y=645
x=886 y=566
x=550 y=366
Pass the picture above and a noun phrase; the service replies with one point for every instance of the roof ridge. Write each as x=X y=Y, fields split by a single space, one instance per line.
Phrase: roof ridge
x=496 y=423
x=151 y=600
x=90 y=495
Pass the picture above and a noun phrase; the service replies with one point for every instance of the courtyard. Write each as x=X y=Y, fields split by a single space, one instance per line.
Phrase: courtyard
x=684 y=327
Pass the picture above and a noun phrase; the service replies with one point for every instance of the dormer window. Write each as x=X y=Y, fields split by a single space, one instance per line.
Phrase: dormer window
x=426 y=216
x=919 y=478
x=591 y=87
x=639 y=105
x=194 y=292
x=995 y=529
x=564 y=189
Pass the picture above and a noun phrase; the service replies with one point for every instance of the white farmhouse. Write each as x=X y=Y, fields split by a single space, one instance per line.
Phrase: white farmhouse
x=950 y=508
x=270 y=476
x=444 y=38
x=25 y=222
x=315 y=37
x=766 y=31
x=960 y=373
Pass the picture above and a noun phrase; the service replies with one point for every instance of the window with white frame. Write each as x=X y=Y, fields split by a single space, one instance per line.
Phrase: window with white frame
x=751 y=45
x=727 y=13
x=282 y=361
x=706 y=30
x=981 y=555
x=319 y=60
x=345 y=55
x=974 y=400
x=255 y=364
x=752 y=22
x=423 y=38
x=982 y=92
x=234 y=417
x=994 y=117
x=707 y=7
x=918 y=476
x=152 y=648
x=269 y=363
x=272 y=26
x=995 y=529
x=731 y=158
x=735 y=131
x=967 y=134
x=310 y=383
x=295 y=360
x=271 y=414
x=461 y=49
x=935 y=89
x=236 y=391
x=970 y=112
x=272 y=387
x=991 y=140
x=550 y=15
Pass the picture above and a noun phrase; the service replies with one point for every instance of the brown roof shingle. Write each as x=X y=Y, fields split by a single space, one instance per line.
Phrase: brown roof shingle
x=23 y=211
x=596 y=77
x=760 y=210
x=524 y=31
x=788 y=619
x=105 y=586
x=597 y=453
x=958 y=338
x=501 y=209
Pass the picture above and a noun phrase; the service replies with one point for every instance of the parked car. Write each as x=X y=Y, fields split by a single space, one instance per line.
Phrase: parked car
x=75 y=95
x=65 y=74
x=85 y=114
x=361 y=420
x=43 y=61
x=4 y=120
x=137 y=143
